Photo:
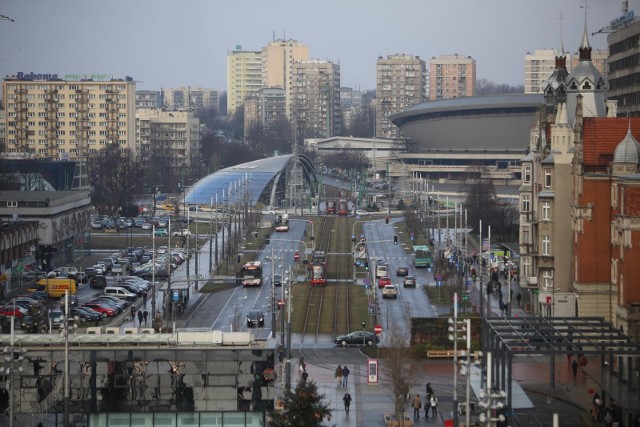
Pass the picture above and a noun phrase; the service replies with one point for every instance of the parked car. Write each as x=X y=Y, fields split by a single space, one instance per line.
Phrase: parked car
x=402 y=271
x=182 y=233
x=96 y=225
x=117 y=269
x=56 y=317
x=390 y=291
x=86 y=314
x=409 y=282
x=101 y=307
x=255 y=318
x=11 y=311
x=357 y=338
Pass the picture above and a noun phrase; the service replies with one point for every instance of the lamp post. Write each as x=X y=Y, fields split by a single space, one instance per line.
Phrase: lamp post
x=11 y=359
x=490 y=399
x=288 y=374
x=453 y=336
x=153 y=276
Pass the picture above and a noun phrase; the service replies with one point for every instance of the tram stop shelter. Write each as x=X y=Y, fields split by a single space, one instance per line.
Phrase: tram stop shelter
x=508 y=337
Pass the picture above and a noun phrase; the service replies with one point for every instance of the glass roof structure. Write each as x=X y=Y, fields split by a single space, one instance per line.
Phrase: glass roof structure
x=250 y=182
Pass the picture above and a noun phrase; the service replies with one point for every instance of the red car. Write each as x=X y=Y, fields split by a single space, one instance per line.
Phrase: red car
x=384 y=281
x=11 y=311
x=101 y=308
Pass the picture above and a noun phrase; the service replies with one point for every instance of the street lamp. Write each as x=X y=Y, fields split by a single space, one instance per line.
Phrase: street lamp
x=490 y=399
x=12 y=355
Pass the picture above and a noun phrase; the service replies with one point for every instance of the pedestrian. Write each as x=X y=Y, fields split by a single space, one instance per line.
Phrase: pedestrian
x=144 y=316
x=416 y=404
x=144 y=300
x=304 y=377
x=574 y=368
x=434 y=406
x=133 y=314
x=347 y=402
x=338 y=375
x=519 y=298
x=140 y=318
x=345 y=375
x=301 y=370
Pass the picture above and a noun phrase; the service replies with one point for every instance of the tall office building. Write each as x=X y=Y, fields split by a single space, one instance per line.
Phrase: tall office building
x=278 y=58
x=400 y=84
x=47 y=117
x=244 y=76
x=452 y=76
x=624 y=75
x=191 y=98
x=316 y=99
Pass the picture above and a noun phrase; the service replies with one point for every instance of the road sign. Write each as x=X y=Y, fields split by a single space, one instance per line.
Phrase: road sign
x=280 y=303
x=377 y=329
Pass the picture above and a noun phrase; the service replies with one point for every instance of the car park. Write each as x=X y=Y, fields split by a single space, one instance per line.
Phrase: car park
x=402 y=271
x=390 y=291
x=409 y=282
x=255 y=318
x=384 y=281
x=357 y=338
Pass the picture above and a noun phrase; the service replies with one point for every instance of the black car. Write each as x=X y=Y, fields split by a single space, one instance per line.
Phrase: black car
x=255 y=318
x=402 y=271
x=86 y=314
x=357 y=338
x=277 y=280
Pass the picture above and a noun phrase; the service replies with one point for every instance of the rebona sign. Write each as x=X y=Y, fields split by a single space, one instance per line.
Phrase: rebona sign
x=34 y=76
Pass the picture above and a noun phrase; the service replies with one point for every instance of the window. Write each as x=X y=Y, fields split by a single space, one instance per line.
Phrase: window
x=547 y=278
x=526 y=267
x=546 y=211
x=547 y=178
x=546 y=245
x=525 y=202
x=526 y=174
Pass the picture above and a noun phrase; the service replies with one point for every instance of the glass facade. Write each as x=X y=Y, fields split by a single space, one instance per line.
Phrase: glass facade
x=143 y=386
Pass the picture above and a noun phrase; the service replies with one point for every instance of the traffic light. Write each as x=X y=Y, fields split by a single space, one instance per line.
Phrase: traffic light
x=366 y=265
x=395 y=240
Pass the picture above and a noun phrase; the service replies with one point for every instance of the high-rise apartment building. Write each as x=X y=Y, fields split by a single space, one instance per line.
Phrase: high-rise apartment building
x=540 y=65
x=47 y=117
x=271 y=106
x=244 y=76
x=174 y=135
x=400 y=84
x=278 y=58
x=191 y=98
x=452 y=76
x=149 y=99
x=316 y=99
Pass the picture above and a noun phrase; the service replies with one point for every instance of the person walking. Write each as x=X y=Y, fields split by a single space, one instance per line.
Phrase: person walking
x=140 y=318
x=145 y=314
x=416 y=404
x=519 y=298
x=574 y=368
x=345 y=375
x=133 y=314
x=434 y=406
x=427 y=400
x=347 y=402
x=338 y=375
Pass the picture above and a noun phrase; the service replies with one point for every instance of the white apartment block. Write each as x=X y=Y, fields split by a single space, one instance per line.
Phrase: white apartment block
x=452 y=76
x=190 y=98
x=244 y=77
x=174 y=134
x=48 y=117
x=400 y=84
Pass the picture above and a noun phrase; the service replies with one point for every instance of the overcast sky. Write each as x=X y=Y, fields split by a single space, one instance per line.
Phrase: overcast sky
x=164 y=43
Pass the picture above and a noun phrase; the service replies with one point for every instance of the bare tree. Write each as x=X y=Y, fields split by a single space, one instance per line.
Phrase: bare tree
x=481 y=199
x=397 y=370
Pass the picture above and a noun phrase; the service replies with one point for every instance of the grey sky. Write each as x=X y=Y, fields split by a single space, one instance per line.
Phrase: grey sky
x=164 y=43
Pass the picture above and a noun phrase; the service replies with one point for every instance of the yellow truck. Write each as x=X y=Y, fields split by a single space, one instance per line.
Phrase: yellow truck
x=56 y=287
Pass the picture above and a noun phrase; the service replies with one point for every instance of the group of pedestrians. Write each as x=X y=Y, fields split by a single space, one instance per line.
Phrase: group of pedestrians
x=143 y=315
x=430 y=404
x=342 y=375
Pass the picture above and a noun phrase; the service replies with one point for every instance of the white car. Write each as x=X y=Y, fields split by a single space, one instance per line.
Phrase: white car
x=390 y=291
x=362 y=213
x=181 y=233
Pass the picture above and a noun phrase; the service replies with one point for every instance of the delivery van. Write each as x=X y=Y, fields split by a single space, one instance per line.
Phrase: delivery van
x=120 y=292
x=57 y=286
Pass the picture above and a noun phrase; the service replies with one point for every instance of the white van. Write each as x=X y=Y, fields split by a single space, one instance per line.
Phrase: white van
x=119 y=292
x=381 y=271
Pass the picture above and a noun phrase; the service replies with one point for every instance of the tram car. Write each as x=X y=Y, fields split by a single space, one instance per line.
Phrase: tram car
x=343 y=207
x=318 y=268
x=331 y=207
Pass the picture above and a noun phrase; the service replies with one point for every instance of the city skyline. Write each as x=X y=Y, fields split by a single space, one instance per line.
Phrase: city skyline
x=163 y=44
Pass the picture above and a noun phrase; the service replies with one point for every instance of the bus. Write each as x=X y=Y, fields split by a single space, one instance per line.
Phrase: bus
x=423 y=257
x=252 y=274
x=318 y=268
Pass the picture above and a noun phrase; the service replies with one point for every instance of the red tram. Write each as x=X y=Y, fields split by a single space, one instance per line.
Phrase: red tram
x=343 y=207
x=331 y=207
x=318 y=268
